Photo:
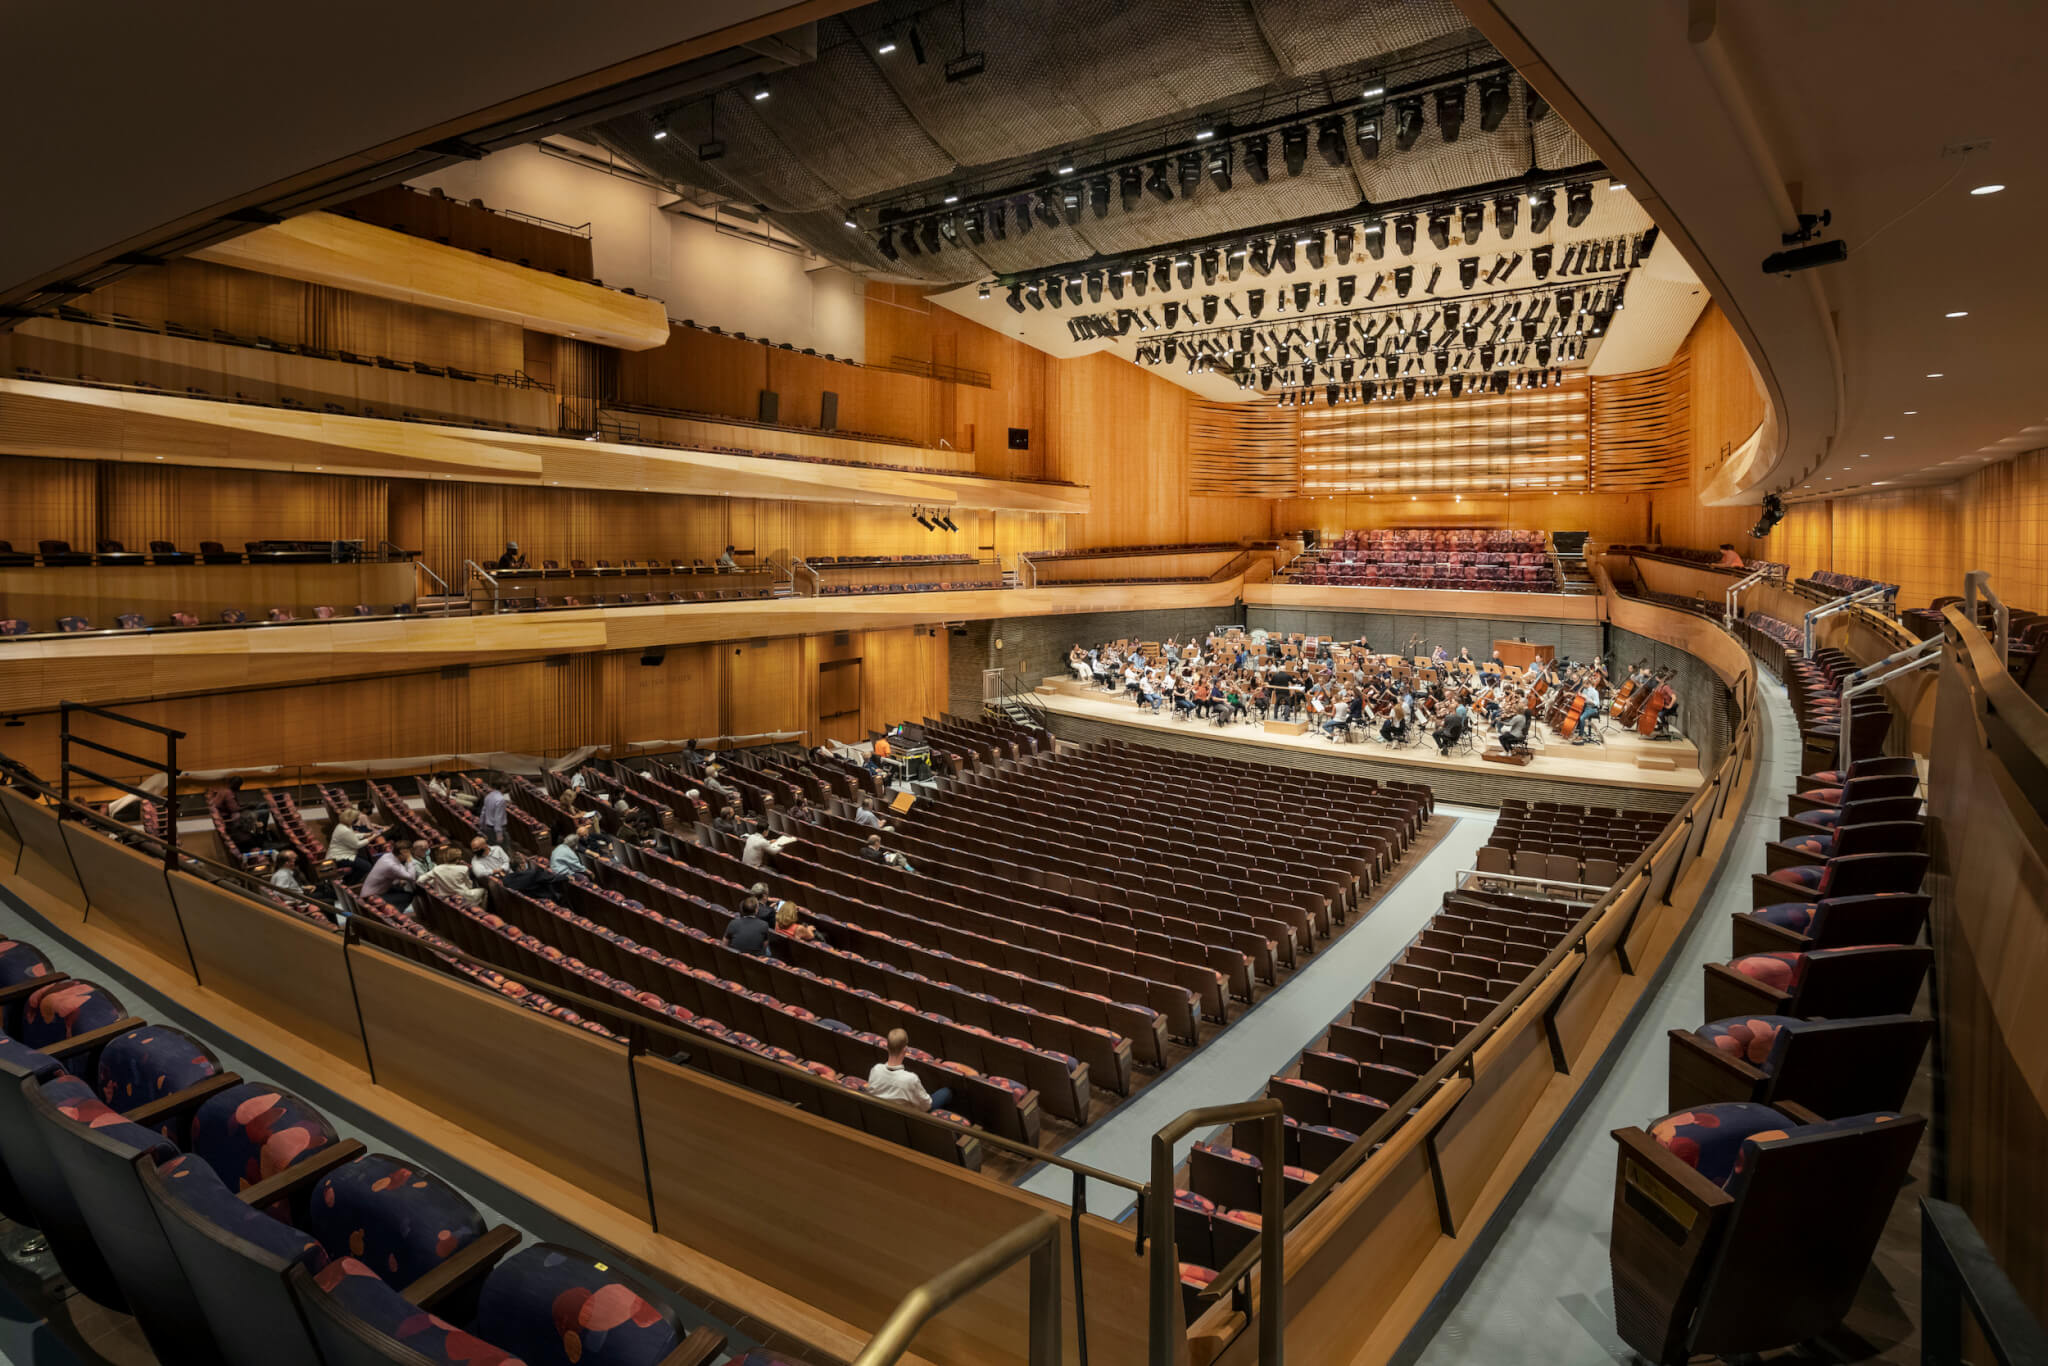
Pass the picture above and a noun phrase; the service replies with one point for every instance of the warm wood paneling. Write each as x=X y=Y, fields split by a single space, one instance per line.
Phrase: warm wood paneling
x=1606 y=516
x=327 y=249
x=1525 y=440
x=1243 y=450
x=2002 y=527
x=101 y=594
x=1642 y=427
x=1727 y=403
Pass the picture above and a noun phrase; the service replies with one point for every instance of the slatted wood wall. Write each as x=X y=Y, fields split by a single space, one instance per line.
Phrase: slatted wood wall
x=1642 y=428
x=1523 y=441
x=1242 y=450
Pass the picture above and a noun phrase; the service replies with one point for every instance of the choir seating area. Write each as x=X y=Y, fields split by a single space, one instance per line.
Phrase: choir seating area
x=208 y=1217
x=1492 y=561
x=1746 y=1218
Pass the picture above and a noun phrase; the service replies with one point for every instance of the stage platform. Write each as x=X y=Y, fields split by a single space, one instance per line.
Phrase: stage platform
x=1609 y=774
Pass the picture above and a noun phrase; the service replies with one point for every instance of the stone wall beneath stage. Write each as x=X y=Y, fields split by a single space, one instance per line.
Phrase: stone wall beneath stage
x=1706 y=709
x=1464 y=786
x=1391 y=631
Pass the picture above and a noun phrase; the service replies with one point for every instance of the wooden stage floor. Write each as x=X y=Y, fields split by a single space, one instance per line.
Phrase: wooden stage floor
x=1616 y=763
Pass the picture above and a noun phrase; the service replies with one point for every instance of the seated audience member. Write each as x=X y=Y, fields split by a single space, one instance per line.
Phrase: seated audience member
x=390 y=879
x=419 y=859
x=748 y=932
x=864 y=814
x=249 y=830
x=1729 y=559
x=567 y=860
x=450 y=878
x=727 y=822
x=348 y=844
x=787 y=921
x=511 y=559
x=449 y=795
x=760 y=846
x=1514 y=732
x=891 y=1080
x=725 y=559
x=487 y=859
x=875 y=853
x=285 y=876
x=803 y=813
x=693 y=759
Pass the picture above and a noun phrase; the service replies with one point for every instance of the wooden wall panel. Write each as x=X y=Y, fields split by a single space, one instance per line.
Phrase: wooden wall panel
x=47 y=500
x=2002 y=527
x=1521 y=441
x=1248 y=450
x=1642 y=427
x=1727 y=402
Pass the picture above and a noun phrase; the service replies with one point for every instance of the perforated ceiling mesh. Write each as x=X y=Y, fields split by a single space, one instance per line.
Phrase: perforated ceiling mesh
x=1084 y=82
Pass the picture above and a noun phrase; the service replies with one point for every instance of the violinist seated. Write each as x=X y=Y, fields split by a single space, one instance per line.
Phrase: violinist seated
x=1514 y=732
x=1394 y=729
x=1339 y=718
x=1453 y=729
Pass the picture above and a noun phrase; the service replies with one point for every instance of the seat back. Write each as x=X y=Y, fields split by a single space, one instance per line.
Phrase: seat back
x=1876 y=979
x=1878 y=837
x=401 y=1221
x=1849 y=1066
x=1796 y=1244
x=516 y=1311
x=69 y=624
x=356 y=1320
x=99 y=1155
x=1863 y=874
x=1882 y=918
x=235 y=1260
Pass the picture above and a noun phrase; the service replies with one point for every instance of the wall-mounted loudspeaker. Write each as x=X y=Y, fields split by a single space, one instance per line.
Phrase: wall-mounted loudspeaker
x=652 y=656
x=771 y=405
x=828 y=411
x=1020 y=438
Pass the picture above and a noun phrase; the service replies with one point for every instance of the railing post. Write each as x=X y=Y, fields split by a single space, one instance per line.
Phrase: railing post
x=1272 y=1240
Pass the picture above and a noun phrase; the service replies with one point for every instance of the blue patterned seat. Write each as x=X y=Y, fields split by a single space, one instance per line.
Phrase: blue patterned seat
x=553 y=1307
x=1796 y=916
x=1709 y=1138
x=1753 y=1144
x=74 y=1100
x=20 y=962
x=356 y=1292
x=1758 y=1040
x=65 y=1010
x=194 y=1184
x=251 y=1132
x=399 y=1221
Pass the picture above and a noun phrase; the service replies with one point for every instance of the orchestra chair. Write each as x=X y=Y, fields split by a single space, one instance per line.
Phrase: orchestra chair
x=1832 y=1067
x=1738 y=1228
x=1861 y=768
x=1810 y=850
x=1846 y=875
x=167 y=552
x=1832 y=984
x=1853 y=790
x=1836 y=922
x=1852 y=813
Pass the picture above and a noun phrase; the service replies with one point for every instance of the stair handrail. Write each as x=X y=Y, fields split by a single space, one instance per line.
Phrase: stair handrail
x=1841 y=604
x=1977 y=582
x=1924 y=654
x=1037 y=1239
x=1163 y=1266
x=1731 y=611
x=1958 y=1271
x=472 y=570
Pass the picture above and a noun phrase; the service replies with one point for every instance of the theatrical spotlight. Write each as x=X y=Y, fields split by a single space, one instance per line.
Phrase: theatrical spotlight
x=1115 y=280
x=1542 y=208
x=1074 y=290
x=1156 y=183
x=917 y=515
x=1259 y=261
x=1404 y=279
x=1233 y=262
x=1366 y=125
x=993 y=219
x=1440 y=228
x=1131 y=182
x=1184 y=271
x=1209 y=262
x=1190 y=173
x=1294 y=148
x=1070 y=204
x=1343 y=238
x=1376 y=237
x=1031 y=296
x=1450 y=111
x=1538 y=107
x=1578 y=202
x=1493 y=101
x=1098 y=195
x=1054 y=295
x=1208 y=308
x=1301 y=298
x=1283 y=254
x=1219 y=167
x=1094 y=286
x=928 y=234
x=1170 y=310
x=971 y=225
x=1468 y=272
x=1539 y=260
x=1407 y=122
x=1472 y=218
x=1435 y=273
x=1505 y=210
x=885 y=242
x=1313 y=249
x=1644 y=245
x=1255 y=301
x=1162 y=275
x=1047 y=206
x=1379 y=278
x=1330 y=140
x=1016 y=299
x=1347 y=287
x=1255 y=158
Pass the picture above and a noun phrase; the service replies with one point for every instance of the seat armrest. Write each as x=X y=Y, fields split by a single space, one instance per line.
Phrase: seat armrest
x=181 y=1102
x=22 y=990
x=301 y=1176
x=1792 y=1109
x=700 y=1347
x=464 y=1271
x=93 y=1038
x=1701 y=1074
x=1728 y=993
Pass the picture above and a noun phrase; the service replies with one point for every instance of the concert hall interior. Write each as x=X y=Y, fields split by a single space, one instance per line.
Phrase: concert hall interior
x=1023 y=684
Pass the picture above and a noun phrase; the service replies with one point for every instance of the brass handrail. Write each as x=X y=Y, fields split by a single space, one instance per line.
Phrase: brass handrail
x=1038 y=1239
x=1163 y=1268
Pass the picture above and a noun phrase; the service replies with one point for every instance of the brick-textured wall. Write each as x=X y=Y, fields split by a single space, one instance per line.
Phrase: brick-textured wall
x=1705 y=706
x=1390 y=631
x=1036 y=647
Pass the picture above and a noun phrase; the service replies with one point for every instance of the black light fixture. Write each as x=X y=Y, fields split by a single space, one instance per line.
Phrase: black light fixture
x=1435 y=274
x=1070 y=203
x=1131 y=182
x=1506 y=209
x=993 y=218
x=1031 y=296
x=1404 y=279
x=1140 y=278
x=1472 y=218
x=1094 y=286
x=1255 y=158
x=1294 y=147
x=1344 y=239
x=1219 y=167
x=1375 y=229
x=1021 y=211
x=1255 y=301
x=1190 y=173
x=1258 y=260
x=885 y=242
x=1313 y=249
x=1016 y=299
x=1450 y=111
x=1538 y=107
x=1301 y=302
x=1440 y=229
x=1347 y=286
x=1330 y=139
x=1115 y=278
x=1170 y=310
x=1047 y=206
x=1379 y=278
x=1542 y=208
x=971 y=224
x=1578 y=202
x=1644 y=245
x=1184 y=270
x=1156 y=183
x=1468 y=272
x=928 y=232
x=1162 y=274
x=1054 y=295
x=1098 y=195
x=1407 y=122
x=1493 y=101
x=1366 y=126
x=1209 y=263
x=1074 y=290
x=1208 y=308
x=1283 y=254
x=917 y=44
x=1233 y=262
x=981 y=292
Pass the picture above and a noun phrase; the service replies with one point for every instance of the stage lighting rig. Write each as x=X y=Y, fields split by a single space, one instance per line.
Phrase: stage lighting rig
x=1156 y=183
x=1440 y=229
x=1404 y=234
x=1542 y=208
x=1578 y=202
x=1330 y=140
x=1294 y=147
x=1450 y=111
x=1472 y=218
x=1505 y=210
x=1407 y=122
x=1493 y=101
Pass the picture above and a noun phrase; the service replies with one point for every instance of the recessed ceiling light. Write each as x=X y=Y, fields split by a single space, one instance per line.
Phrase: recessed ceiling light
x=1203 y=135
x=660 y=133
x=952 y=199
x=1067 y=169
x=1911 y=411
x=1879 y=483
x=1617 y=185
x=851 y=224
x=1935 y=375
x=1845 y=467
x=888 y=46
x=1829 y=477
x=1959 y=313
x=1987 y=189
x=1891 y=438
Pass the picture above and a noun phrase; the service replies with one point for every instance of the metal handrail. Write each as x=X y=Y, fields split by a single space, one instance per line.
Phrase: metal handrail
x=1958 y=1271
x=472 y=570
x=1163 y=1269
x=1979 y=581
x=1864 y=680
x=1731 y=598
x=1037 y=1239
x=1841 y=604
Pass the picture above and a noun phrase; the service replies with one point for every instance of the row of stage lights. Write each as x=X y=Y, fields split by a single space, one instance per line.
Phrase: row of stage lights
x=1220 y=157
x=1361 y=392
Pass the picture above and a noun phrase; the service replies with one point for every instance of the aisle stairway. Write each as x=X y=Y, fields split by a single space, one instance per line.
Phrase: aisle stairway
x=1571 y=561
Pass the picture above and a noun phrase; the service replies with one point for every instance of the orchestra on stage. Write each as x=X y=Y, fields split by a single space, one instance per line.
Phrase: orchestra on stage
x=1346 y=691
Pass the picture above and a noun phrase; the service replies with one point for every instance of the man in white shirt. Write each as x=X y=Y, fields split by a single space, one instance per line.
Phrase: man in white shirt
x=759 y=847
x=891 y=1080
x=285 y=876
x=487 y=859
